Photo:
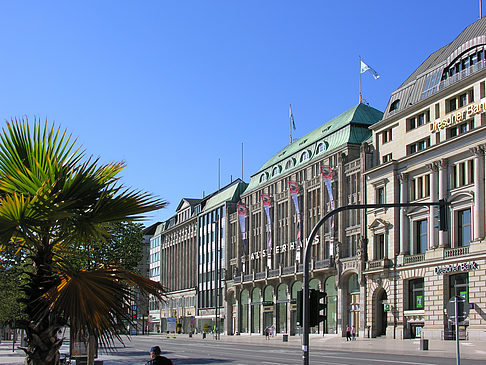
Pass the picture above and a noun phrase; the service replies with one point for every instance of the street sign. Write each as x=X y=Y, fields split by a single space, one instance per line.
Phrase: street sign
x=463 y=309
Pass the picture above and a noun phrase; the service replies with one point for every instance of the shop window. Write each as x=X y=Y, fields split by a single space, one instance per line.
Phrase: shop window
x=459 y=286
x=416 y=294
x=464 y=227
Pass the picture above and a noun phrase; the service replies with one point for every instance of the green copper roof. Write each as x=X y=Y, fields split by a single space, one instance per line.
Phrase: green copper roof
x=349 y=127
x=231 y=194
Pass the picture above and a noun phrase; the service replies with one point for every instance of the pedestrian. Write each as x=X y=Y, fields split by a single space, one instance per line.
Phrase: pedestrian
x=348 y=333
x=272 y=330
x=158 y=359
x=353 y=333
x=267 y=333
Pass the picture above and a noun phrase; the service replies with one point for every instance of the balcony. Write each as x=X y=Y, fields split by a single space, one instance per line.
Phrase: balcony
x=454 y=252
x=379 y=264
x=412 y=259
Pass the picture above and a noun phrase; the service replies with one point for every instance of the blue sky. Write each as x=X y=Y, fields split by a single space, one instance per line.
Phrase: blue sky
x=170 y=87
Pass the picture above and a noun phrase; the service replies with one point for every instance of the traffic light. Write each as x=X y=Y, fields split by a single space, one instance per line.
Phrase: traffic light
x=315 y=307
x=442 y=215
x=300 y=306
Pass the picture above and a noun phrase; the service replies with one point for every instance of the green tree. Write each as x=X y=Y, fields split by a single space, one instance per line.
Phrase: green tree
x=122 y=247
x=53 y=201
x=11 y=274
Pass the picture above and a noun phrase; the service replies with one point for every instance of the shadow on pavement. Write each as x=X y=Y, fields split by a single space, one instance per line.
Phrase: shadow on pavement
x=199 y=361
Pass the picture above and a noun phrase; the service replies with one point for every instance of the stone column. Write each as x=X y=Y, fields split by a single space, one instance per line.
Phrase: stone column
x=404 y=239
x=443 y=174
x=478 y=227
x=433 y=197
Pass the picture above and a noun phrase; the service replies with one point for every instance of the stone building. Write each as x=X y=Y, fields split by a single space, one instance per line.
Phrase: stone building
x=282 y=203
x=173 y=258
x=429 y=146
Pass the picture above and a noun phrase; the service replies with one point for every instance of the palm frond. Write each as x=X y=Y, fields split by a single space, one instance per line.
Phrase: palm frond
x=97 y=300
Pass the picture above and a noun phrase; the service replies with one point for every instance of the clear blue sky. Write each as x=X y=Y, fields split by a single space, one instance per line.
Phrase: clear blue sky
x=170 y=87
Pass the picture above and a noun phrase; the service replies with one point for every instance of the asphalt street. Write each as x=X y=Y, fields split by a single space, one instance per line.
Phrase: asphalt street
x=191 y=351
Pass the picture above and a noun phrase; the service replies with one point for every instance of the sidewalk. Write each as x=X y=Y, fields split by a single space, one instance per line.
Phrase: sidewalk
x=9 y=357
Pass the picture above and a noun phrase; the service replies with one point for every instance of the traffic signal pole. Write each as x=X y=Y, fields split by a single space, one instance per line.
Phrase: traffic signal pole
x=307 y=255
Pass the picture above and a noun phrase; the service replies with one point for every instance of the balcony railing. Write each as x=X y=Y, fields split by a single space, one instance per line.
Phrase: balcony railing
x=458 y=251
x=414 y=258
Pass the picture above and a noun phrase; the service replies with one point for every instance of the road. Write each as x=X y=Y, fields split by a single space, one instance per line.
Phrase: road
x=191 y=351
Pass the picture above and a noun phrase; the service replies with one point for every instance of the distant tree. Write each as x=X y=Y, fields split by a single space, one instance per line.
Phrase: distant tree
x=122 y=247
x=11 y=277
x=54 y=203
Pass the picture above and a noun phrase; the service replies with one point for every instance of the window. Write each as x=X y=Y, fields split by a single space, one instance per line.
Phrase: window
x=418 y=120
x=416 y=294
x=289 y=164
x=459 y=286
x=462 y=173
x=380 y=195
x=418 y=146
x=275 y=171
x=320 y=147
x=379 y=246
x=464 y=227
x=263 y=178
x=304 y=156
x=421 y=237
x=386 y=136
x=394 y=105
x=387 y=158
x=460 y=101
x=459 y=129
x=420 y=187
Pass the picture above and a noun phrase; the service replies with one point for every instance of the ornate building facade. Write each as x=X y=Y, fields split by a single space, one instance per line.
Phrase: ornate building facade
x=282 y=203
x=430 y=145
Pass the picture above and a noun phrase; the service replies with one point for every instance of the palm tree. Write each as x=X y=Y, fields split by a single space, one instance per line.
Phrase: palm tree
x=53 y=200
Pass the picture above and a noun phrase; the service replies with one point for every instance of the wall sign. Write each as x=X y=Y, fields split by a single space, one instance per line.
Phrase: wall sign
x=458 y=116
x=472 y=266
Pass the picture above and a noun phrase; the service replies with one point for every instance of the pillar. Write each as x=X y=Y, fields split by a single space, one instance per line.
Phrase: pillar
x=478 y=227
x=404 y=238
x=433 y=232
x=443 y=174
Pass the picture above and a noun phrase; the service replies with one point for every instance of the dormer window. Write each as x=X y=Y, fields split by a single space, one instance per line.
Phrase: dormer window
x=394 y=105
x=275 y=171
x=263 y=177
x=304 y=156
x=289 y=164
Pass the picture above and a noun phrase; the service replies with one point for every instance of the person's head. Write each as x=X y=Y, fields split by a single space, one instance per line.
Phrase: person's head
x=155 y=351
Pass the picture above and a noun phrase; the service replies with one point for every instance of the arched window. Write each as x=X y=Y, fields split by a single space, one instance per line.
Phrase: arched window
x=320 y=147
x=289 y=164
x=263 y=177
x=394 y=105
x=304 y=156
x=244 y=311
x=275 y=171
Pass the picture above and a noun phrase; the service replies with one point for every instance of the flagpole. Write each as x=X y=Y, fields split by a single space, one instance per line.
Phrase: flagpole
x=290 y=123
x=360 y=98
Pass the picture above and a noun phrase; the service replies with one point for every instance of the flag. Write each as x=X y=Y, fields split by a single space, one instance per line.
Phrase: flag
x=291 y=116
x=365 y=67
x=294 y=191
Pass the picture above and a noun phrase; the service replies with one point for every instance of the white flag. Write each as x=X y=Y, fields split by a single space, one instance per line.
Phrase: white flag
x=365 y=67
x=291 y=116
